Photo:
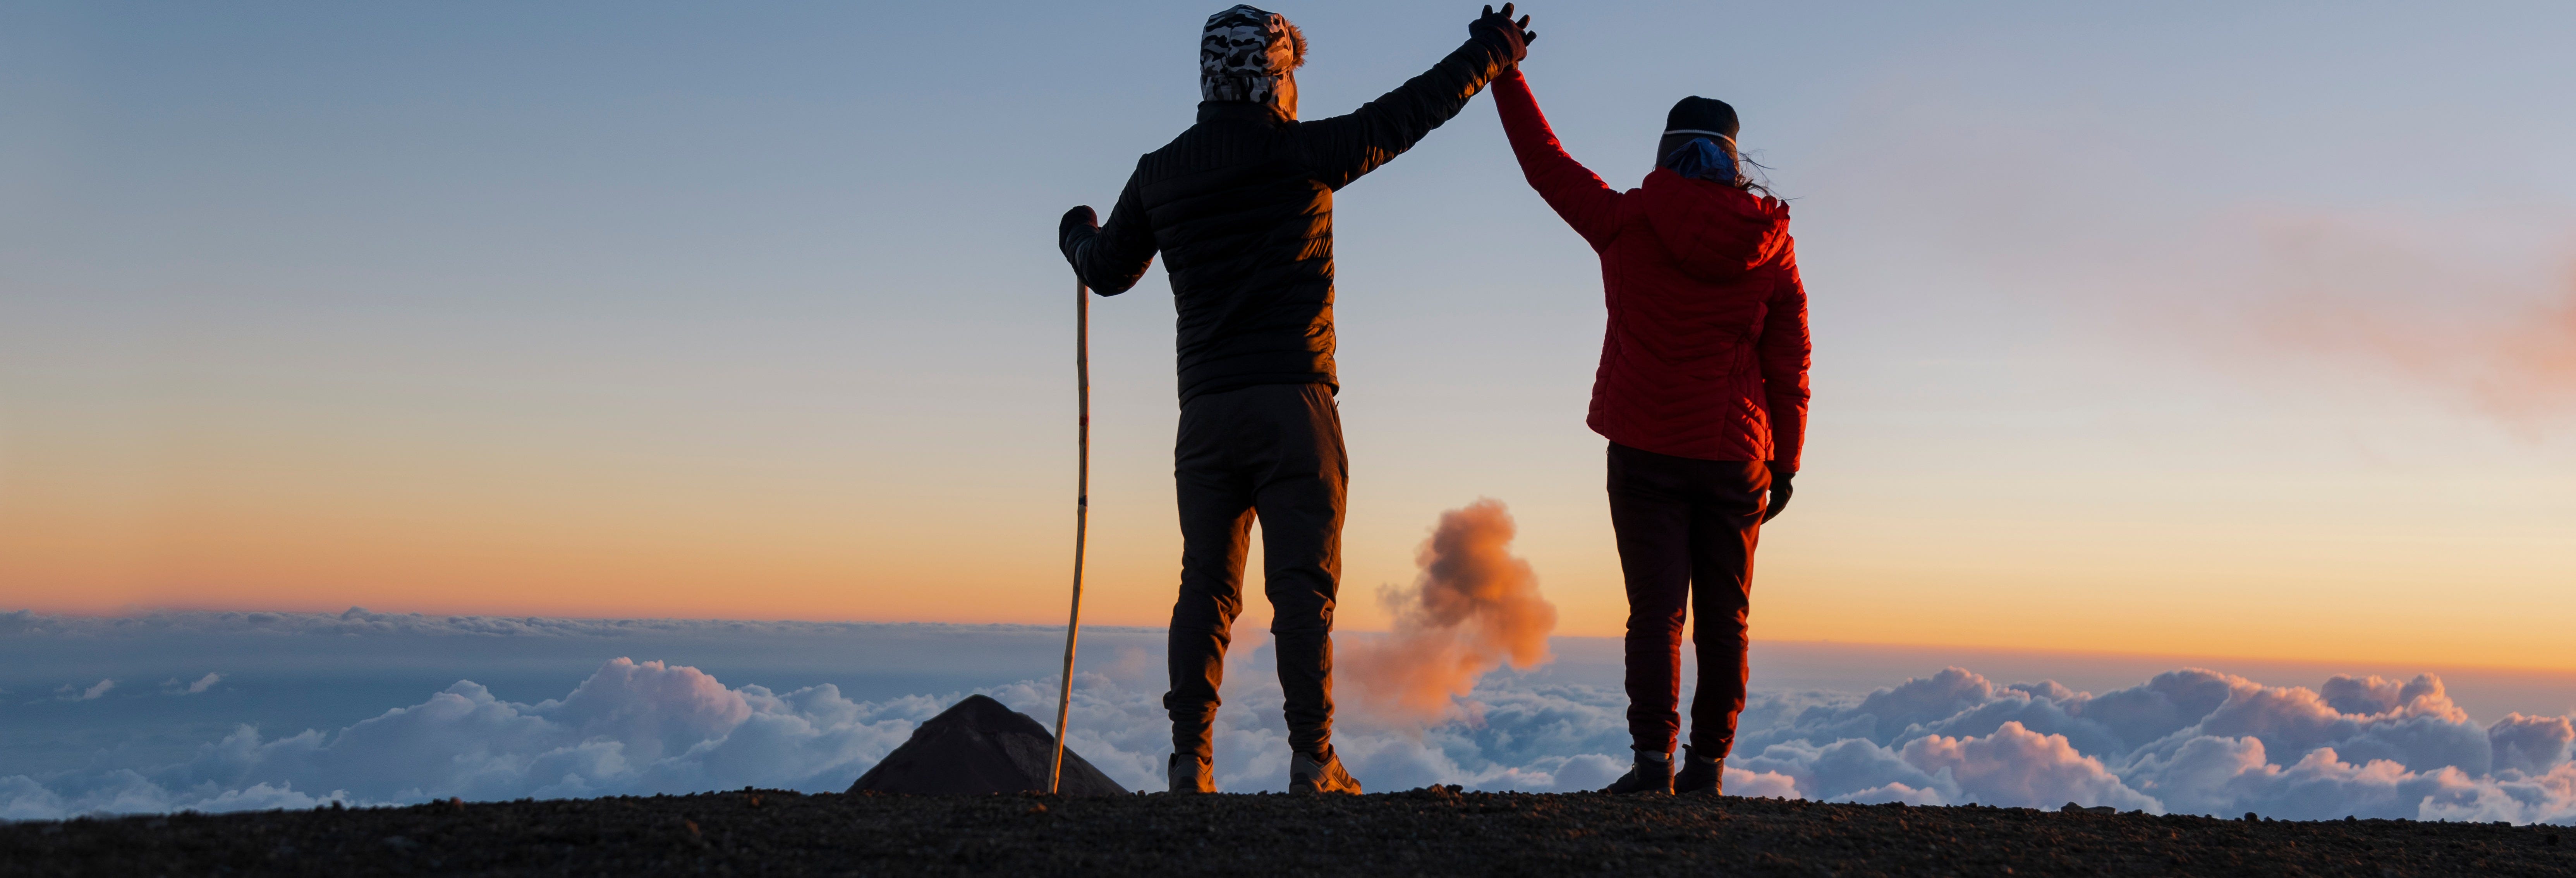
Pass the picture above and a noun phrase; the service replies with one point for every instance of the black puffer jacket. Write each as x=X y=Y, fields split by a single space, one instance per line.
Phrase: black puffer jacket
x=1241 y=206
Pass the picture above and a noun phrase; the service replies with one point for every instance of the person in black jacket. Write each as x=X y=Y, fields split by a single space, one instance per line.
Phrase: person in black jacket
x=1241 y=207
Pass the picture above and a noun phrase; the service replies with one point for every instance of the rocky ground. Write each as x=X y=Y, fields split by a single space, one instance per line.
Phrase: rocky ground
x=1430 y=831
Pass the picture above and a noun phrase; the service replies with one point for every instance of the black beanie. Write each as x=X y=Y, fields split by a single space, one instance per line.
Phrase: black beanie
x=1699 y=114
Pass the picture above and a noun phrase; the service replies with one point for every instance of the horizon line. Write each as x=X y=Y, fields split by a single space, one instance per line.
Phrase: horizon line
x=146 y=612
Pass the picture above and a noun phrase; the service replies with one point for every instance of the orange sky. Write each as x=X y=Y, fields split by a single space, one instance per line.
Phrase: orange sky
x=225 y=515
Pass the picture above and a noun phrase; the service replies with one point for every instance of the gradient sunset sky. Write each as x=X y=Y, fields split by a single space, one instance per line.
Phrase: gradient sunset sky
x=2213 y=328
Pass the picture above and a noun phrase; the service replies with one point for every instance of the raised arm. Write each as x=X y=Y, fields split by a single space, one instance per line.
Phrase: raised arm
x=1577 y=194
x=1345 y=147
x=1784 y=353
x=1110 y=258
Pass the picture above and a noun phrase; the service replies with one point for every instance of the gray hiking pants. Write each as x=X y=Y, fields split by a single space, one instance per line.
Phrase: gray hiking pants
x=1275 y=451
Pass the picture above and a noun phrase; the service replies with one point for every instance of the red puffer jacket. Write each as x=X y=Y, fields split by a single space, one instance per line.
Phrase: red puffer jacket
x=1706 y=354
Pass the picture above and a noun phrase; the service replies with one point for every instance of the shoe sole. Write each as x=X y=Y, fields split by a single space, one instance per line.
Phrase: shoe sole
x=1311 y=790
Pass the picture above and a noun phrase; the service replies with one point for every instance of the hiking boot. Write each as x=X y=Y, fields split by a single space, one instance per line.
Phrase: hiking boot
x=1306 y=774
x=1191 y=774
x=1702 y=776
x=1649 y=776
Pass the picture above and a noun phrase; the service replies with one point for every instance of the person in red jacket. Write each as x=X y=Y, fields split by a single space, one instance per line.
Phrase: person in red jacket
x=1702 y=392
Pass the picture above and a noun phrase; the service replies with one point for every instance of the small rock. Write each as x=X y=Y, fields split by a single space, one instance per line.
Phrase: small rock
x=400 y=843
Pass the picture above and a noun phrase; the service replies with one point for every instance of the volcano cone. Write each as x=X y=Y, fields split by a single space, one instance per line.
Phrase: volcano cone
x=980 y=747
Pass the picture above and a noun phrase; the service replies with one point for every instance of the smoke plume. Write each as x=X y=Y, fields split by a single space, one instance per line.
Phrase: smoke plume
x=1474 y=607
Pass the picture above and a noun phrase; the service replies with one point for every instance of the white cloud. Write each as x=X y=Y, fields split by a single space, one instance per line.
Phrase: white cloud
x=172 y=686
x=2186 y=741
x=69 y=692
x=2015 y=764
x=2191 y=740
x=630 y=728
x=2530 y=745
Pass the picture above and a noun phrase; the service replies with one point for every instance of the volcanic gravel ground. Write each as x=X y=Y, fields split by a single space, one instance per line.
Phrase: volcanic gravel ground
x=1428 y=831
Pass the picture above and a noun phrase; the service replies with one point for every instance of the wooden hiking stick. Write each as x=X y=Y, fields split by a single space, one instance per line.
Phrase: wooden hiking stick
x=1081 y=523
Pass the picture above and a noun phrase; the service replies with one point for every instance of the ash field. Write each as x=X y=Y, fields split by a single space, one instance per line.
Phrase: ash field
x=1428 y=831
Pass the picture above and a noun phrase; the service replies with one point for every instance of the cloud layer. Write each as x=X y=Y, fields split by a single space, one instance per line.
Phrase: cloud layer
x=2186 y=741
x=631 y=728
x=2190 y=740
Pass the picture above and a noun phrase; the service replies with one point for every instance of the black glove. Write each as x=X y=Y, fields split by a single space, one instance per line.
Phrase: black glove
x=1781 y=476
x=1499 y=29
x=1080 y=217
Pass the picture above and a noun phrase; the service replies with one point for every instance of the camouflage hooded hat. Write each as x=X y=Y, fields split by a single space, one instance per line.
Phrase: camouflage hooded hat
x=1245 y=52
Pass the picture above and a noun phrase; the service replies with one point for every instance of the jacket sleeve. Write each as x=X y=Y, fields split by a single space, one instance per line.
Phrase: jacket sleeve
x=1111 y=258
x=1785 y=353
x=1344 y=147
x=1577 y=194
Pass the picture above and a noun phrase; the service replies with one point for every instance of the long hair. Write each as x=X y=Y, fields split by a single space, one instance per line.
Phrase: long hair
x=1750 y=176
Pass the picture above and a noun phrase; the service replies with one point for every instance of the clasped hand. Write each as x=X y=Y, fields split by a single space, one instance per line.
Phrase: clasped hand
x=1514 y=34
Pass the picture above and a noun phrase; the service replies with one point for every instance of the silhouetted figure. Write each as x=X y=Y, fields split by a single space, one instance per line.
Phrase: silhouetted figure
x=1241 y=207
x=1702 y=392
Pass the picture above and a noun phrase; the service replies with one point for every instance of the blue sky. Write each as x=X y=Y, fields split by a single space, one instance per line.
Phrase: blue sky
x=618 y=310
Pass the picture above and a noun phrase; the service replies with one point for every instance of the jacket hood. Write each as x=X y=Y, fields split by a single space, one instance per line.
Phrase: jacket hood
x=1713 y=230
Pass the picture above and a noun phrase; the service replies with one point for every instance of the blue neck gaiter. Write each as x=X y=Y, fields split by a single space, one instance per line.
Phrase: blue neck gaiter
x=1702 y=159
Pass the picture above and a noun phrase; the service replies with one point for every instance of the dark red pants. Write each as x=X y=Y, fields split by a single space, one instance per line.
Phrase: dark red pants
x=1686 y=530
